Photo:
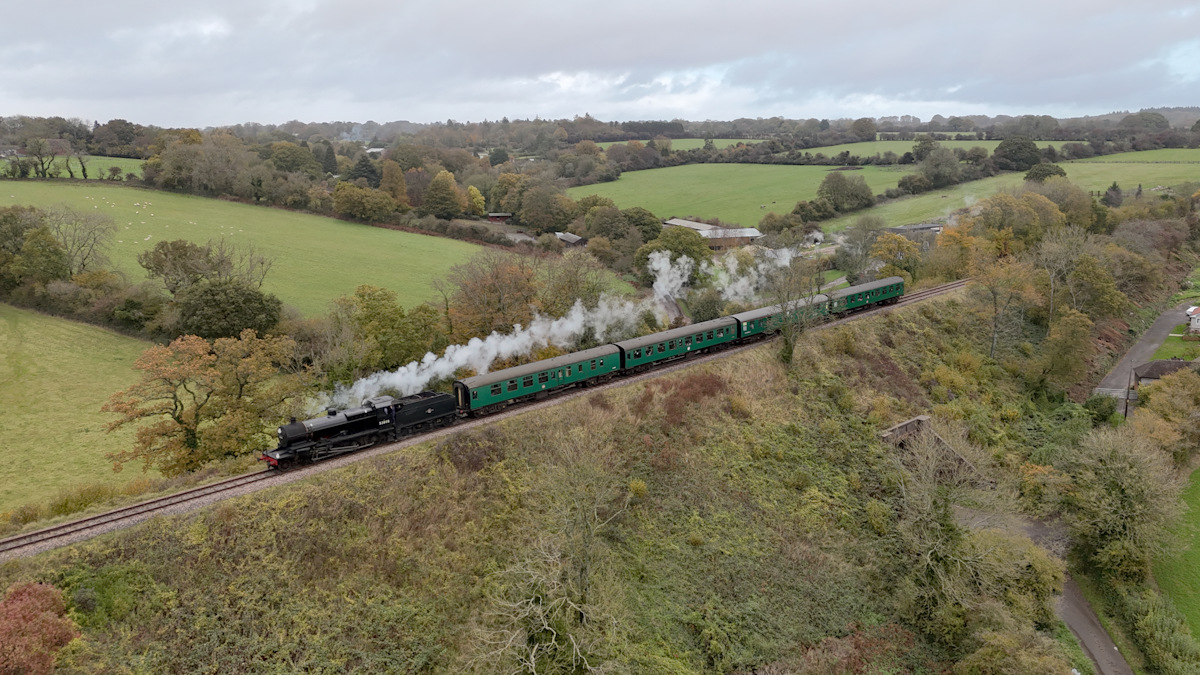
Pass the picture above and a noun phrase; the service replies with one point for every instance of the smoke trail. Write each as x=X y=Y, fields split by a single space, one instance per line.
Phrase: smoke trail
x=611 y=319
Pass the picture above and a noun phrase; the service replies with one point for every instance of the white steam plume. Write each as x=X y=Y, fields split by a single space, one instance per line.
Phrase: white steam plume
x=611 y=319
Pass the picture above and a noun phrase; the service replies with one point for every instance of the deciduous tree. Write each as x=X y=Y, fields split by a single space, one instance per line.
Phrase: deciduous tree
x=492 y=291
x=442 y=198
x=1167 y=412
x=846 y=193
x=897 y=251
x=1016 y=154
x=679 y=242
x=1041 y=171
x=84 y=236
x=197 y=403
x=1004 y=286
x=225 y=308
x=1126 y=501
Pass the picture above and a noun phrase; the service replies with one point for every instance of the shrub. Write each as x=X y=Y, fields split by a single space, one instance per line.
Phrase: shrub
x=33 y=626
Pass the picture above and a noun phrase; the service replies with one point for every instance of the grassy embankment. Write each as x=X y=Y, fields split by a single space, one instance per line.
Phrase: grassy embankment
x=316 y=258
x=54 y=376
x=723 y=518
x=735 y=192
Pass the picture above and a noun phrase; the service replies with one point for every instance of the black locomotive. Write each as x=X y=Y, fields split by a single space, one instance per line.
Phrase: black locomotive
x=377 y=420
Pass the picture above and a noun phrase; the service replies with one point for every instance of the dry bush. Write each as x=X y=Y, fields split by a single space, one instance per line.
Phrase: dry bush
x=471 y=452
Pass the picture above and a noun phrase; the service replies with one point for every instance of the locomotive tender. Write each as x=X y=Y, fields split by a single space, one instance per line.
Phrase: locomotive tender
x=384 y=418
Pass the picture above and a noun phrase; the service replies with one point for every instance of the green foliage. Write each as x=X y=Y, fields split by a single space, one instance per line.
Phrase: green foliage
x=1016 y=154
x=1126 y=501
x=846 y=192
x=217 y=309
x=1042 y=171
x=678 y=242
x=362 y=203
x=1100 y=408
x=442 y=198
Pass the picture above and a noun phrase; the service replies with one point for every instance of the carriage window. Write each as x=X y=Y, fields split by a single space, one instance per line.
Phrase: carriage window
x=593 y=364
x=474 y=395
x=527 y=382
x=710 y=335
x=602 y=362
x=512 y=385
x=495 y=390
x=687 y=340
x=568 y=371
x=542 y=378
x=661 y=348
x=670 y=344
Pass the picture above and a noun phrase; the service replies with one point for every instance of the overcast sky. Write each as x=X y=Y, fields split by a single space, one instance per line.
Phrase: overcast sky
x=221 y=62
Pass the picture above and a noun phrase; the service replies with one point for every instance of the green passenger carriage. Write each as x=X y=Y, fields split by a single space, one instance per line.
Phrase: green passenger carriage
x=492 y=391
x=879 y=292
x=764 y=321
x=641 y=352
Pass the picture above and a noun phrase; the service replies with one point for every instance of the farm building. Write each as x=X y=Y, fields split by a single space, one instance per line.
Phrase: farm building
x=571 y=240
x=719 y=238
x=499 y=217
x=1193 y=319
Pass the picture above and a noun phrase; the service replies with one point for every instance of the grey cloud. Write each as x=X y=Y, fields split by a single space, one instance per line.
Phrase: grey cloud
x=271 y=60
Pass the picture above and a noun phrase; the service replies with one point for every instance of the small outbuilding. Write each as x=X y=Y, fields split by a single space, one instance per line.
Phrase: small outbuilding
x=571 y=240
x=1152 y=371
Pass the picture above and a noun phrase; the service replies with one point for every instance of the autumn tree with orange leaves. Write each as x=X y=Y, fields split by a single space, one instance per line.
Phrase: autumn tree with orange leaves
x=198 y=402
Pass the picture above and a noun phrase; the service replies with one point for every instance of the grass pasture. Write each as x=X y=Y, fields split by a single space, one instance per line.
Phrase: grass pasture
x=54 y=376
x=734 y=193
x=316 y=258
x=1179 y=576
x=98 y=166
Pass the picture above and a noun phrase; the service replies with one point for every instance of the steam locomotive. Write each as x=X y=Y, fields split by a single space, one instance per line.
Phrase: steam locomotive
x=383 y=418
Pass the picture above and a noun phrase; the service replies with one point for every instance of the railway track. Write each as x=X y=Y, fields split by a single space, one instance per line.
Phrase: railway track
x=37 y=541
x=48 y=537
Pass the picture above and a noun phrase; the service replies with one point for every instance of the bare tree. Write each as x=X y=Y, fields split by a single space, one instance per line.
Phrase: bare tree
x=793 y=289
x=1058 y=254
x=181 y=263
x=85 y=236
x=44 y=154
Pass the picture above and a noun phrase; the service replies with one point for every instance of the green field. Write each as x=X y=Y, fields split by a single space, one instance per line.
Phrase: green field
x=316 y=258
x=872 y=148
x=1179 y=576
x=54 y=376
x=693 y=143
x=735 y=193
x=1184 y=155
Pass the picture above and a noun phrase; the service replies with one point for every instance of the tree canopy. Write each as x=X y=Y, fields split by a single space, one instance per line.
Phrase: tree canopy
x=197 y=402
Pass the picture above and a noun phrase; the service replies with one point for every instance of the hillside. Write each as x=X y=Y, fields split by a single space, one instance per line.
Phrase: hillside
x=316 y=258
x=54 y=376
x=730 y=517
